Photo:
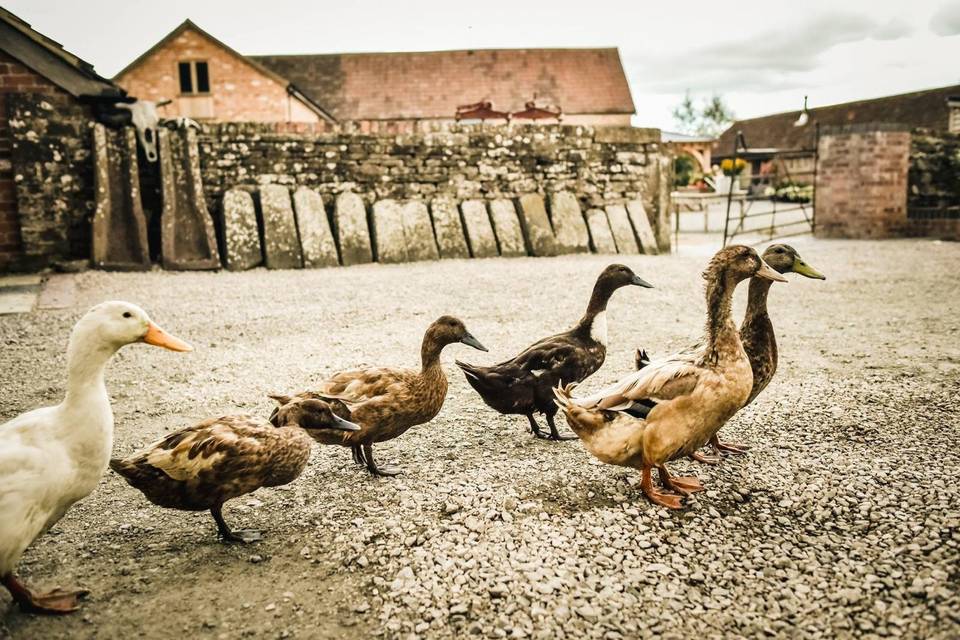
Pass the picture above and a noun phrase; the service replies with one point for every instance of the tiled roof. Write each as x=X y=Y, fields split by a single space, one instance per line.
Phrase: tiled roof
x=375 y=86
x=49 y=59
x=920 y=109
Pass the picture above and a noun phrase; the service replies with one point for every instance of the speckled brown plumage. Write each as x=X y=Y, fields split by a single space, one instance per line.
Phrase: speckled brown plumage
x=386 y=401
x=203 y=466
x=524 y=384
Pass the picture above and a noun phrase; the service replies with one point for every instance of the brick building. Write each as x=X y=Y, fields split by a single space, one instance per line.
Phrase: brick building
x=209 y=80
x=31 y=63
x=934 y=109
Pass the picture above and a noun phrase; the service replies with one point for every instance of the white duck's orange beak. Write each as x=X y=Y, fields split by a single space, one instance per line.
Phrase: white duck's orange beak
x=160 y=338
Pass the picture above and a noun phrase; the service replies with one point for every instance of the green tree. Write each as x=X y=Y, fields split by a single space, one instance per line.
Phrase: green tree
x=709 y=119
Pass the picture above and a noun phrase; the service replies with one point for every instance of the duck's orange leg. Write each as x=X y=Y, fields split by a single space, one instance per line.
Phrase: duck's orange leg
x=662 y=498
x=57 y=601
x=684 y=485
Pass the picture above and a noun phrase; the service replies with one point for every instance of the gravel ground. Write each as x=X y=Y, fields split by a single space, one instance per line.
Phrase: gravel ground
x=842 y=521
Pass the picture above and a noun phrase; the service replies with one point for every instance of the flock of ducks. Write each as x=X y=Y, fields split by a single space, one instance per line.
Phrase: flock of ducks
x=669 y=408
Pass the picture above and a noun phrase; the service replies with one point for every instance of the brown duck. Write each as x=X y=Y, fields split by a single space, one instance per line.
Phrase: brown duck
x=201 y=467
x=756 y=333
x=694 y=396
x=385 y=401
x=524 y=384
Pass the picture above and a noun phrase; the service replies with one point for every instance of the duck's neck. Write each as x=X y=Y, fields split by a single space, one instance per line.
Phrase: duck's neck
x=757 y=303
x=722 y=336
x=430 y=354
x=594 y=320
x=86 y=421
x=86 y=361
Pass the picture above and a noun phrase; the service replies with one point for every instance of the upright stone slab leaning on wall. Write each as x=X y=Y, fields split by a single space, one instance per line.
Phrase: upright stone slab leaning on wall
x=641 y=225
x=388 y=231
x=448 y=228
x=506 y=224
x=316 y=239
x=241 y=235
x=569 y=227
x=350 y=227
x=418 y=231
x=537 y=232
x=188 y=240
x=483 y=244
x=119 y=226
x=281 y=245
x=600 y=235
x=621 y=229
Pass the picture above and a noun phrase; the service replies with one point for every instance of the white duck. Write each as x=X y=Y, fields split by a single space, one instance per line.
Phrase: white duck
x=55 y=456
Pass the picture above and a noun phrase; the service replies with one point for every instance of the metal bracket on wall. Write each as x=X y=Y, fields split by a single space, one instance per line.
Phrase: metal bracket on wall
x=119 y=226
x=188 y=240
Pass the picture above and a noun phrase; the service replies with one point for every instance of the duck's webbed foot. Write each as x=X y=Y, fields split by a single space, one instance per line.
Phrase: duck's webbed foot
x=699 y=457
x=684 y=485
x=57 y=601
x=554 y=434
x=727 y=449
x=374 y=469
x=358 y=455
x=229 y=536
x=662 y=498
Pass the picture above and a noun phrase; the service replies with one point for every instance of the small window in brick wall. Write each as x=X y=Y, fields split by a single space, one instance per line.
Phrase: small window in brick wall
x=194 y=77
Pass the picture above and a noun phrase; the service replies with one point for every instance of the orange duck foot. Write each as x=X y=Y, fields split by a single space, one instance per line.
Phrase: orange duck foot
x=57 y=601
x=730 y=449
x=684 y=485
x=699 y=457
x=662 y=498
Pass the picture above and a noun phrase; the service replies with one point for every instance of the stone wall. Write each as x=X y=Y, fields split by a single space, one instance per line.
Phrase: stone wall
x=883 y=181
x=862 y=182
x=15 y=80
x=933 y=199
x=53 y=173
x=602 y=165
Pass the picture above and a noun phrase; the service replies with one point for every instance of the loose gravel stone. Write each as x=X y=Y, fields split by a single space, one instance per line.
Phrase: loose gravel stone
x=842 y=520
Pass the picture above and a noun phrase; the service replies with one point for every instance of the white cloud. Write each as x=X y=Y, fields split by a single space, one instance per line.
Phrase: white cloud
x=946 y=21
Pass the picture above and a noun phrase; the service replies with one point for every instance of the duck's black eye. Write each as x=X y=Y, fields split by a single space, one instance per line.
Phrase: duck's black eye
x=127 y=314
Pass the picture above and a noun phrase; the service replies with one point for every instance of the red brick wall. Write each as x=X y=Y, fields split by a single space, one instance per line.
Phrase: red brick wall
x=862 y=183
x=15 y=78
x=238 y=91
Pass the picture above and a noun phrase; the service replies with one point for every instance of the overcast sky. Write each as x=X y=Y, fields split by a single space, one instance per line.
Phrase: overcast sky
x=762 y=57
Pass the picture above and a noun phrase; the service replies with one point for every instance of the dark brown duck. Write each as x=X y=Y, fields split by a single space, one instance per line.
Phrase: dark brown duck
x=524 y=384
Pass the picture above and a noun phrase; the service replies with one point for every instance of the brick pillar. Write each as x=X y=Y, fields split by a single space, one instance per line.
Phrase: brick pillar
x=862 y=181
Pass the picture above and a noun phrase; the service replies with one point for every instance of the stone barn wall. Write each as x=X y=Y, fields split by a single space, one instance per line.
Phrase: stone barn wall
x=884 y=181
x=51 y=169
x=53 y=175
x=21 y=89
x=933 y=200
x=601 y=165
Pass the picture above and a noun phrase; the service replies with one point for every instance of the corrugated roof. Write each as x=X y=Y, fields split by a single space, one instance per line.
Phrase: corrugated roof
x=919 y=109
x=382 y=86
x=50 y=60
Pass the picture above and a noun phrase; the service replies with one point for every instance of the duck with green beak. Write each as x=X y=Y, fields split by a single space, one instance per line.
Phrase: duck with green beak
x=757 y=335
